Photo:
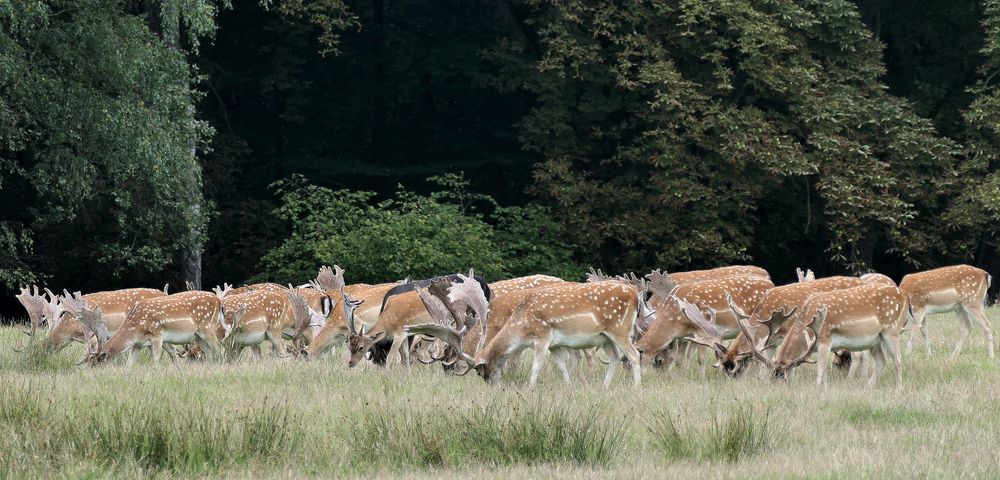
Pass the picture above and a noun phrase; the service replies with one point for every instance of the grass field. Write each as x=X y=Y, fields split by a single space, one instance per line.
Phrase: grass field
x=287 y=418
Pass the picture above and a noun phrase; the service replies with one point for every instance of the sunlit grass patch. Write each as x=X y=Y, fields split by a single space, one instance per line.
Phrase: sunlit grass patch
x=740 y=433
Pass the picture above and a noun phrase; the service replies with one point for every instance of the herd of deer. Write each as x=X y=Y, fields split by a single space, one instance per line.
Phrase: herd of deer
x=467 y=324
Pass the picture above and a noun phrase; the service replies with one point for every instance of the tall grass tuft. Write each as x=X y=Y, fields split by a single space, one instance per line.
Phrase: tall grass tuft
x=742 y=433
x=18 y=405
x=525 y=432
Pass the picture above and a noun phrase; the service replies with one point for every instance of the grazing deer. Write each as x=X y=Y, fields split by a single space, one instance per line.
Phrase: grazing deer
x=404 y=309
x=671 y=323
x=869 y=317
x=558 y=318
x=114 y=306
x=959 y=288
x=263 y=315
x=317 y=300
x=771 y=314
x=177 y=319
x=357 y=302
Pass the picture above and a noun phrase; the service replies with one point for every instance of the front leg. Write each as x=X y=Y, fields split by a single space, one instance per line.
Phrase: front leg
x=822 y=362
x=156 y=348
x=561 y=356
x=133 y=355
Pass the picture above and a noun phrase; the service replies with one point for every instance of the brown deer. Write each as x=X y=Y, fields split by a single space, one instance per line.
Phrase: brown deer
x=359 y=302
x=672 y=324
x=869 y=317
x=770 y=314
x=557 y=318
x=260 y=315
x=114 y=306
x=176 y=319
x=959 y=288
x=407 y=309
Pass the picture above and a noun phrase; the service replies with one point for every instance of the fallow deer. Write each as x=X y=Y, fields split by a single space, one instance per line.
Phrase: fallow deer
x=869 y=317
x=176 y=319
x=771 y=314
x=114 y=306
x=362 y=302
x=263 y=315
x=405 y=309
x=671 y=323
x=959 y=288
x=557 y=318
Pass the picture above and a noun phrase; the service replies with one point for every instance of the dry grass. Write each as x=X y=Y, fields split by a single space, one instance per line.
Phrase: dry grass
x=286 y=418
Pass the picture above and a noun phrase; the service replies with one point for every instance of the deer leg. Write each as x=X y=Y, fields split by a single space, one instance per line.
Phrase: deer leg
x=156 y=349
x=404 y=352
x=133 y=355
x=614 y=362
x=920 y=319
x=588 y=355
x=624 y=344
x=965 y=323
x=561 y=355
x=976 y=311
x=277 y=344
x=890 y=346
x=541 y=351
x=879 y=356
x=397 y=343
x=822 y=362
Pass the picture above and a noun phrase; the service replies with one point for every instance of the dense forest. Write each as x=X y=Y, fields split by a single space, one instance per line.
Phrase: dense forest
x=153 y=141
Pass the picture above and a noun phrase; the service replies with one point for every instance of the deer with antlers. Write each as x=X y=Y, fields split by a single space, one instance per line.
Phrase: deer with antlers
x=114 y=305
x=869 y=317
x=556 y=318
x=256 y=316
x=771 y=314
x=671 y=323
x=405 y=309
x=959 y=288
x=176 y=319
x=356 y=310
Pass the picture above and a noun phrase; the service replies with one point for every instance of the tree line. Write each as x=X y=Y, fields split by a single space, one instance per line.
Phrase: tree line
x=166 y=140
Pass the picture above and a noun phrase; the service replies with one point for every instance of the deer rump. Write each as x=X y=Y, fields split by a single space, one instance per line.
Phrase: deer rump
x=411 y=285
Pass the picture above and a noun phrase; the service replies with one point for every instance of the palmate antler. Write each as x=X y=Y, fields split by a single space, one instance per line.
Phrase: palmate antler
x=595 y=276
x=34 y=304
x=329 y=279
x=713 y=336
x=442 y=328
x=222 y=291
x=660 y=283
x=93 y=321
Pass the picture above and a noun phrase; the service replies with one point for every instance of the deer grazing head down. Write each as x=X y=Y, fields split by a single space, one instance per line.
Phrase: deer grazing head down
x=785 y=358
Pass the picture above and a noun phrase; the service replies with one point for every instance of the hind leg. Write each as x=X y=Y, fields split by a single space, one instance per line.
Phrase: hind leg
x=561 y=355
x=966 y=326
x=920 y=319
x=624 y=344
x=822 y=362
x=879 y=356
x=541 y=351
x=614 y=362
x=890 y=345
x=277 y=344
x=975 y=311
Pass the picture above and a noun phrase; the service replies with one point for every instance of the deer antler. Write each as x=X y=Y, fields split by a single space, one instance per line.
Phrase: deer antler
x=188 y=285
x=442 y=329
x=34 y=304
x=815 y=325
x=713 y=337
x=330 y=279
x=93 y=320
x=754 y=348
x=221 y=292
x=469 y=293
x=660 y=283
x=166 y=289
x=350 y=305
x=597 y=276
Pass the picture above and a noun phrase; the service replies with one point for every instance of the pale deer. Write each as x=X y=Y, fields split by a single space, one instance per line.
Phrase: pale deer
x=869 y=317
x=176 y=319
x=260 y=315
x=672 y=324
x=558 y=318
x=114 y=306
x=405 y=309
x=770 y=314
x=959 y=288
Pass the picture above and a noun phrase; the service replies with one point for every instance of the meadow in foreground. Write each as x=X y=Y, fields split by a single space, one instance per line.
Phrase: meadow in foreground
x=289 y=418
